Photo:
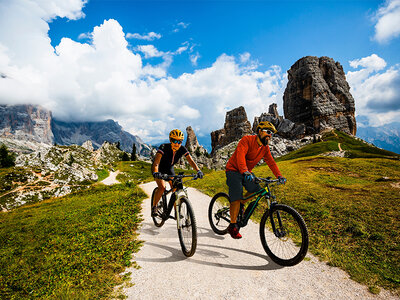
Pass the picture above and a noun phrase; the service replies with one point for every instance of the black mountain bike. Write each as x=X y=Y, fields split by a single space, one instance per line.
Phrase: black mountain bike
x=184 y=215
x=283 y=231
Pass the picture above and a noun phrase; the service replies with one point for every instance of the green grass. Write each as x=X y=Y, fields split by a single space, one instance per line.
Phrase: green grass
x=353 y=219
x=102 y=174
x=72 y=247
x=354 y=148
x=139 y=171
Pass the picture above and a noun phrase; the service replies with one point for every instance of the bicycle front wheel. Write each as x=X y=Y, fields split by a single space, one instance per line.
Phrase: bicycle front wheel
x=188 y=230
x=218 y=213
x=158 y=220
x=284 y=235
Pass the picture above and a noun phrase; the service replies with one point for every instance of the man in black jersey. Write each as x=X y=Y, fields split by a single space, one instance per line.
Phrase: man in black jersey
x=166 y=156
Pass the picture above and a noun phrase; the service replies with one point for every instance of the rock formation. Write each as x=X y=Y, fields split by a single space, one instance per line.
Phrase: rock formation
x=26 y=122
x=191 y=140
x=236 y=126
x=318 y=96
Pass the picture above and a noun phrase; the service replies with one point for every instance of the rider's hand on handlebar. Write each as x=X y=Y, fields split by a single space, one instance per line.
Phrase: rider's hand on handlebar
x=282 y=180
x=248 y=176
x=199 y=175
x=157 y=175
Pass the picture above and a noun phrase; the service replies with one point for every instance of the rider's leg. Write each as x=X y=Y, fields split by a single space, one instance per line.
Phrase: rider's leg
x=234 y=211
x=160 y=191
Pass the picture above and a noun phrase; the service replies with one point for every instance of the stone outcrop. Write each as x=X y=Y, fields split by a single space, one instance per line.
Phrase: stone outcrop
x=26 y=122
x=191 y=140
x=236 y=126
x=286 y=128
x=318 y=96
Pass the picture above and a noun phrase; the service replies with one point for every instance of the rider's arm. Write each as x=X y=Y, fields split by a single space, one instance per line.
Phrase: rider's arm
x=191 y=162
x=156 y=162
x=242 y=149
x=269 y=160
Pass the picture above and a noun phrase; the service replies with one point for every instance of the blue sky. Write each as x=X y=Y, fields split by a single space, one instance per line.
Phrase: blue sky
x=273 y=32
x=157 y=65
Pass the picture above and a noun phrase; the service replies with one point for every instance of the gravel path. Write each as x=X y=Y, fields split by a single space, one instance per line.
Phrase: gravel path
x=224 y=268
x=111 y=179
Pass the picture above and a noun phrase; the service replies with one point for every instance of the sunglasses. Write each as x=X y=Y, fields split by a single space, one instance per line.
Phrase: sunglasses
x=267 y=131
x=176 y=141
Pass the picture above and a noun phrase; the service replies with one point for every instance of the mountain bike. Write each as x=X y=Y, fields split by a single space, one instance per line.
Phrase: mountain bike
x=184 y=215
x=283 y=232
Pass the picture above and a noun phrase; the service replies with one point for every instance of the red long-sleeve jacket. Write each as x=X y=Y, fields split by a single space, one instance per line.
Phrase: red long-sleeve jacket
x=248 y=153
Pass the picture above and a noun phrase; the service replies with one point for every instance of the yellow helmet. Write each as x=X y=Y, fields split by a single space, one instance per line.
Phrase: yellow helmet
x=176 y=134
x=266 y=125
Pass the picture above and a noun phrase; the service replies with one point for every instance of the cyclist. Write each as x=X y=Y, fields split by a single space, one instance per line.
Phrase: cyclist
x=166 y=156
x=250 y=150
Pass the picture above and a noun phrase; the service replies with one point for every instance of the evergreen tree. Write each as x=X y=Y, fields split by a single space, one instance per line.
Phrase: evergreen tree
x=133 y=154
x=125 y=156
x=7 y=159
x=118 y=144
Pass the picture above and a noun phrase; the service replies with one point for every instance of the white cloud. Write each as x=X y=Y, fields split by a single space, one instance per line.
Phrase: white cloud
x=376 y=90
x=151 y=36
x=149 y=51
x=181 y=25
x=244 y=57
x=194 y=58
x=103 y=78
x=387 y=21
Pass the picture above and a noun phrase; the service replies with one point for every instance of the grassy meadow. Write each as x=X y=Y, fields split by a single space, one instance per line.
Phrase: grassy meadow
x=71 y=247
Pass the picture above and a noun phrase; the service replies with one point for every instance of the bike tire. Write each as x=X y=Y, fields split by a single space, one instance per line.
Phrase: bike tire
x=158 y=220
x=188 y=230
x=288 y=245
x=218 y=213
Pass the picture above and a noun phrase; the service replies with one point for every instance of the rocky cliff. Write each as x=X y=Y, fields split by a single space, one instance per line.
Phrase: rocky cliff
x=26 y=122
x=318 y=96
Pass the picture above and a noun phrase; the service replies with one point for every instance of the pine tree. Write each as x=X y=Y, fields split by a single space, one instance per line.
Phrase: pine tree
x=133 y=154
x=125 y=156
x=7 y=159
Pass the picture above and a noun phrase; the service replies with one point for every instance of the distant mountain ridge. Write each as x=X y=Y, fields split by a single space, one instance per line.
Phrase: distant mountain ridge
x=385 y=136
x=36 y=124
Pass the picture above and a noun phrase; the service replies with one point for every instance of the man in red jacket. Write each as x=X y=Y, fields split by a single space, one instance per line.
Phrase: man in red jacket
x=250 y=150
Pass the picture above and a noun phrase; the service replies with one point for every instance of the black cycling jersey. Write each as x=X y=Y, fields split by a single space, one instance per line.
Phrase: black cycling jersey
x=169 y=158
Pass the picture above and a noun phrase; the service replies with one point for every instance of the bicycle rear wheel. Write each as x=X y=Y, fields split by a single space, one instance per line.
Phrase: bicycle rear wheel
x=158 y=220
x=188 y=230
x=284 y=235
x=218 y=213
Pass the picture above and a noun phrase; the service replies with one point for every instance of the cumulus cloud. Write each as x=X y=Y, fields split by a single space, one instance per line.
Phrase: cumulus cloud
x=194 y=58
x=151 y=36
x=103 y=77
x=387 y=21
x=376 y=89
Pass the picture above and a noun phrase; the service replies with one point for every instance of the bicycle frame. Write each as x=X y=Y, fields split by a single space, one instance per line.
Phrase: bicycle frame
x=263 y=192
x=178 y=191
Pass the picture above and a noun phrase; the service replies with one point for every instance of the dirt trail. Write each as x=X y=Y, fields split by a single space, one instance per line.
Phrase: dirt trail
x=111 y=179
x=223 y=268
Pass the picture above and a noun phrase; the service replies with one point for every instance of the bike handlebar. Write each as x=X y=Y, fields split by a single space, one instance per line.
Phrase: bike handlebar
x=167 y=177
x=266 y=180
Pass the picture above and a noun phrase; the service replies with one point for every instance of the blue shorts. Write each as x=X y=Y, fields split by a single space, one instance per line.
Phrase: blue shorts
x=236 y=182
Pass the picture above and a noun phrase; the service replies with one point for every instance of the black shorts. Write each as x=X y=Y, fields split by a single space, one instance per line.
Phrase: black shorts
x=236 y=182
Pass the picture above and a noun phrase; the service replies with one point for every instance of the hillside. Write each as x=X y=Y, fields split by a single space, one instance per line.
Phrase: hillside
x=350 y=205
